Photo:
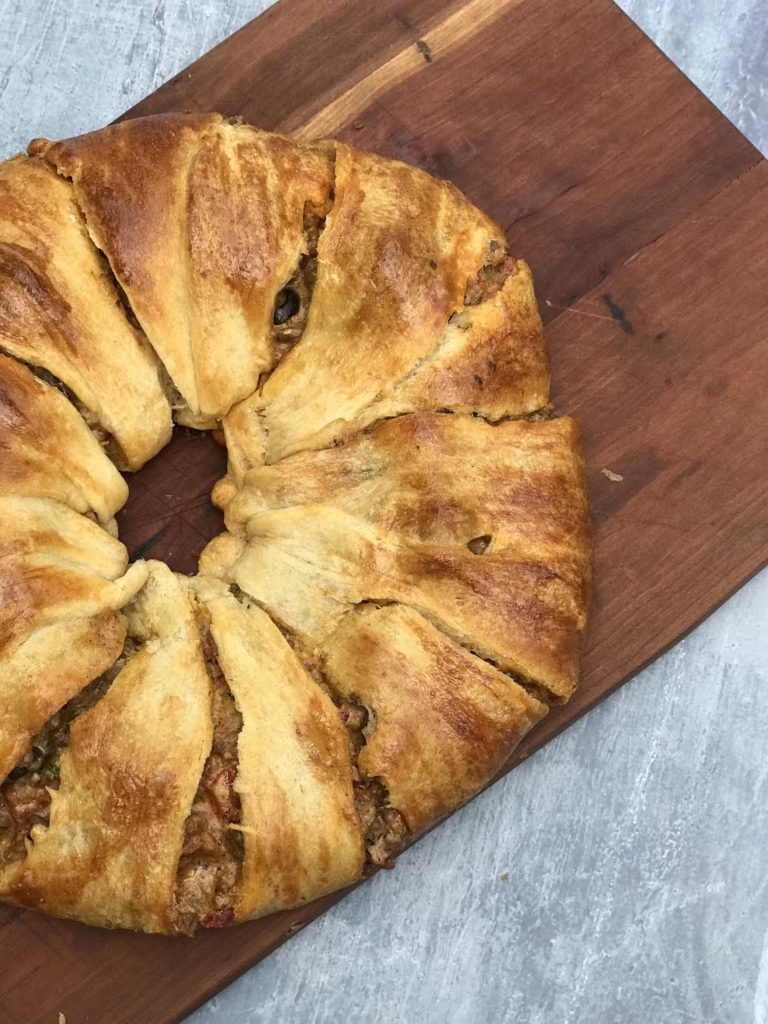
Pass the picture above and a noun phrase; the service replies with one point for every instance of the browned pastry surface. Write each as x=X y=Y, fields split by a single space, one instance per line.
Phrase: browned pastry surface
x=63 y=580
x=47 y=451
x=441 y=720
x=202 y=222
x=300 y=831
x=496 y=552
x=110 y=852
x=402 y=587
x=60 y=311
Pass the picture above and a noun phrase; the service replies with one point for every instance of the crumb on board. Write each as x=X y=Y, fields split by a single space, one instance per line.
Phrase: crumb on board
x=62 y=1018
x=505 y=876
x=615 y=478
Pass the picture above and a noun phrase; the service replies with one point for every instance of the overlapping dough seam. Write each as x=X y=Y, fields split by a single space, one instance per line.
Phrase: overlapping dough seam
x=304 y=275
x=106 y=440
x=105 y=437
x=486 y=295
x=302 y=267
x=384 y=826
x=313 y=662
x=377 y=817
x=169 y=387
x=533 y=686
x=174 y=397
x=172 y=393
x=53 y=740
x=487 y=292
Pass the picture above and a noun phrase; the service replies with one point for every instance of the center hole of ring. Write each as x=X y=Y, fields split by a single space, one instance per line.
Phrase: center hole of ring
x=169 y=514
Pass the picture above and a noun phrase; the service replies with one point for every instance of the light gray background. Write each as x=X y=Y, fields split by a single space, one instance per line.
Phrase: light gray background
x=635 y=845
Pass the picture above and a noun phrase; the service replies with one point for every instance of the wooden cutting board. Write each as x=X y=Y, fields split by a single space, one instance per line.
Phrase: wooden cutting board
x=644 y=215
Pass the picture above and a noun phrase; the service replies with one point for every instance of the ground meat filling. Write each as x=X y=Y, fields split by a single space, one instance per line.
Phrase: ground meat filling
x=292 y=301
x=25 y=799
x=105 y=439
x=384 y=827
x=489 y=279
x=212 y=854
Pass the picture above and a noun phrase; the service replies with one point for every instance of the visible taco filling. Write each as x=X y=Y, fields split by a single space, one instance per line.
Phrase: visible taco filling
x=384 y=827
x=212 y=854
x=292 y=301
x=490 y=278
x=105 y=439
x=25 y=798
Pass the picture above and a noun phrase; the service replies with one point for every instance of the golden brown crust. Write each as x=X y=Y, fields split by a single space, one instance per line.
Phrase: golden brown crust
x=63 y=580
x=441 y=722
x=394 y=261
x=392 y=516
x=202 y=222
x=442 y=479
x=47 y=451
x=59 y=309
x=46 y=670
x=393 y=328
x=54 y=564
x=408 y=558
x=301 y=833
x=491 y=360
x=110 y=853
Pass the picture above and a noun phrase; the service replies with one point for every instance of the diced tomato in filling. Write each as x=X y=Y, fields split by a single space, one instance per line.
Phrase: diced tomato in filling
x=25 y=795
x=222 y=794
x=219 y=918
x=213 y=850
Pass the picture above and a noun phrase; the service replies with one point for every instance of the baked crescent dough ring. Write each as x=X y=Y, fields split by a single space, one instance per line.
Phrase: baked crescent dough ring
x=402 y=587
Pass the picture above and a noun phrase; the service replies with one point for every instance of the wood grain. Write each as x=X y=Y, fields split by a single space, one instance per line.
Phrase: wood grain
x=436 y=42
x=169 y=514
x=298 y=57
x=644 y=215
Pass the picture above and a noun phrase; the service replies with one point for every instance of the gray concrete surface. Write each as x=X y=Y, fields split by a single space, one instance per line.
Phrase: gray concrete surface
x=619 y=876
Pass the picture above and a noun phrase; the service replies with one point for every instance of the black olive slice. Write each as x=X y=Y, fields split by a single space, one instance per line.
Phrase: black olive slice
x=287 y=305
